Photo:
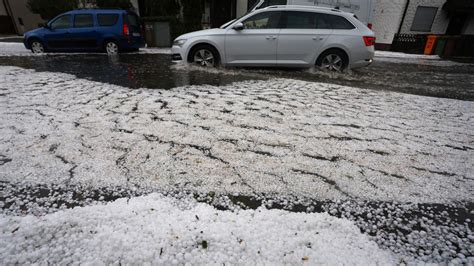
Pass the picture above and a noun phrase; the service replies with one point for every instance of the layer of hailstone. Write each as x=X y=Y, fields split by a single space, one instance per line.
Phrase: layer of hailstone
x=281 y=137
x=405 y=55
x=18 y=49
x=162 y=230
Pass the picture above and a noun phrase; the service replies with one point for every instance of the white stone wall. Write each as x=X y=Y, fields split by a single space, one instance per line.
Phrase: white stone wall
x=387 y=18
x=440 y=23
x=241 y=8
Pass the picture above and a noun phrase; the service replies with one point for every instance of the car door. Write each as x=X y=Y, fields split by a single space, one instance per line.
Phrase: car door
x=58 y=36
x=302 y=36
x=256 y=43
x=84 y=35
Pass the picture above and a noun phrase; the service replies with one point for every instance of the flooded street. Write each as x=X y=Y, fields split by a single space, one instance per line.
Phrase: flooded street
x=82 y=132
x=444 y=79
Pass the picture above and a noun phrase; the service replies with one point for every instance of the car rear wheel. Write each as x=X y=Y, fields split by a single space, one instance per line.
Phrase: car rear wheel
x=205 y=56
x=111 y=48
x=333 y=60
x=37 y=47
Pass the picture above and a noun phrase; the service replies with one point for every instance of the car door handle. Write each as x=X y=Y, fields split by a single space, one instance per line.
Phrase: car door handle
x=318 y=38
x=271 y=37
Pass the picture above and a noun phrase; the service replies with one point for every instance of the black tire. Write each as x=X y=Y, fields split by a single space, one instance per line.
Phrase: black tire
x=333 y=60
x=201 y=55
x=36 y=46
x=111 y=47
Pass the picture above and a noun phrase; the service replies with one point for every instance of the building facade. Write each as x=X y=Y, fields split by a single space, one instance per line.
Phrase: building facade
x=20 y=17
x=424 y=17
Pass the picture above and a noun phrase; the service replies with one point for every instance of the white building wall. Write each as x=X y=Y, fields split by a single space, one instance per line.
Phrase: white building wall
x=241 y=8
x=387 y=15
x=440 y=23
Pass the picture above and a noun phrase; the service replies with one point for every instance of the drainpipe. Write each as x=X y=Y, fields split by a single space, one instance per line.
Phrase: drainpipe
x=403 y=17
x=8 y=8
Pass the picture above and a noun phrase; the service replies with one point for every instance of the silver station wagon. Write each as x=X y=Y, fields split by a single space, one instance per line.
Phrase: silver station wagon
x=289 y=36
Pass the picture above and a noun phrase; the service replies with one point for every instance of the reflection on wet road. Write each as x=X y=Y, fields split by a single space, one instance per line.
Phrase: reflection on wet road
x=156 y=71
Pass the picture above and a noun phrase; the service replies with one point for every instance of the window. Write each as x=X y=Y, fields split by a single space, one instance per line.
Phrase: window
x=337 y=22
x=83 y=21
x=313 y=20
x=107 y=20
x=300 y=20
x=133 y=20
x=322 y=21
x=424 y=18
x=62 y=22
x=264 y=20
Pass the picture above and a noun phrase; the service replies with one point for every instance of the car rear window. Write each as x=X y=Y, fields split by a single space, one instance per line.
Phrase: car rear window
x=338 y=22
x=133 y=20
x=83 y=21
x=107 y=20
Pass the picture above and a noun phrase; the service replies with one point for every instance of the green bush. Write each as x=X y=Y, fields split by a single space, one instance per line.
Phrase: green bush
x=124 y=4
x=48 y=9
x=192 y=14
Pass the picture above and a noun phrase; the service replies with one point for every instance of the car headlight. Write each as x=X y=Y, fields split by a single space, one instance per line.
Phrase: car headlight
x=179 y=43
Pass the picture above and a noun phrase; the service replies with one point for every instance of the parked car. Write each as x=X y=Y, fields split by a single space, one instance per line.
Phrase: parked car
x=282 y=36
x=363 y=9
x=106 y=30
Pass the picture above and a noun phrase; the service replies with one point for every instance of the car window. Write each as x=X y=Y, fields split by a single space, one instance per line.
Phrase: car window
x=62 y=22
x=83 y=21
x=264 y=20
x=322 y=21
x=107 y=20
x=338 y=22
x=299 y=20
x=133 y=20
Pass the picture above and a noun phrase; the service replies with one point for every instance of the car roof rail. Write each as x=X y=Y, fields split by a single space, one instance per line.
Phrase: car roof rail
x=336 y=9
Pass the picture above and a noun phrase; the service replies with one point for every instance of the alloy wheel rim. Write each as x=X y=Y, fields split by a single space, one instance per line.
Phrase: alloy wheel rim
x=204 y=58
x=37 y=47
x=332 y=62
x=112 y=48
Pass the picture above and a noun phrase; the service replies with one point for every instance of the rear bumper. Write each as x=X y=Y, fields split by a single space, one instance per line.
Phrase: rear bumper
x=362 y=63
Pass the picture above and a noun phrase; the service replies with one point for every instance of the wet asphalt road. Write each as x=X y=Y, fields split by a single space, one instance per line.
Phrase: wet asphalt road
x=156 y=71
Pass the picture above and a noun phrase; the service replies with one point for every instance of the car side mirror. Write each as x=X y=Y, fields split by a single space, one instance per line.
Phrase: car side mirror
x=238 y=26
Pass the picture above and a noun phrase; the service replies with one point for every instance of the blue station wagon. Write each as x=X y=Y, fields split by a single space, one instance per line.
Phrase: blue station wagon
x=106 y=30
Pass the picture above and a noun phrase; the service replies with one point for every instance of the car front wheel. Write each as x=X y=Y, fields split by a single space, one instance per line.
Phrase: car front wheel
x=205 y=56
x=37 y=47
x=111 y=48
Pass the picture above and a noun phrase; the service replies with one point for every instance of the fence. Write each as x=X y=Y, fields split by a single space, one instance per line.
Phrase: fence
x=447 y=46
x=409 y=43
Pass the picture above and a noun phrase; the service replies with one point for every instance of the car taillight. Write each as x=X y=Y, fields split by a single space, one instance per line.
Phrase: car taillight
x=126 y=32
x=369 y=40
x=369 y=25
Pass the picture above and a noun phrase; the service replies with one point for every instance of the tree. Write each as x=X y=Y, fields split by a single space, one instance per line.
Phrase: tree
x=48 y=9
x=162 y=8
x=124 y=4
x=192 y=14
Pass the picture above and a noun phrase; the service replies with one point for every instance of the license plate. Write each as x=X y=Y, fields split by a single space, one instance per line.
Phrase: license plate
x=136 y=34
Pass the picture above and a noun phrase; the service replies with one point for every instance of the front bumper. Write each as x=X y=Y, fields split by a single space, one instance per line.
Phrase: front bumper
x=177 y=54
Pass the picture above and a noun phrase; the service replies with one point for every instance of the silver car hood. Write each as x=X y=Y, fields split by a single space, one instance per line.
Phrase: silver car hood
x=199 y=33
